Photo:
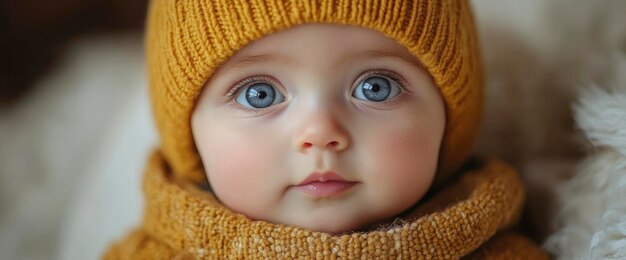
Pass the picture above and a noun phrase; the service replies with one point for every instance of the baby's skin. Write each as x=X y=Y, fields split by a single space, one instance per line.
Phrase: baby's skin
x=326 y=127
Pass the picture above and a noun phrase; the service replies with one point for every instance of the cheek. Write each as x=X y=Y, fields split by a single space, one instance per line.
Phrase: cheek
x=236 y=162
x=404 y=159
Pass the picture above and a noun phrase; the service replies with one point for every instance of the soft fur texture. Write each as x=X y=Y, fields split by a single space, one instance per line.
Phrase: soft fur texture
x=538 y=54
x=592 y=216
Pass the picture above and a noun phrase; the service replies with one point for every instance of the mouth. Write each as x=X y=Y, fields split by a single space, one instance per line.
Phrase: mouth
x=324 y=185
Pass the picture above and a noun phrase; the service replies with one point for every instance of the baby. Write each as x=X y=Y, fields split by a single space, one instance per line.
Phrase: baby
x=316 y=129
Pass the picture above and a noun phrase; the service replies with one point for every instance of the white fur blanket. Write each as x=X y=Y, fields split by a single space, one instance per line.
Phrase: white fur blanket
x=541 y=58
x=591 y=220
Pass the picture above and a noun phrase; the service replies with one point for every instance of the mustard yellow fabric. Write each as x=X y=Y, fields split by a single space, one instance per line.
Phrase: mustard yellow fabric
x=188 y=39
x=469 y=218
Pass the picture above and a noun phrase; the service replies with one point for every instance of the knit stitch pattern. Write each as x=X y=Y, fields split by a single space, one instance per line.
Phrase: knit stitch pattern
x=182 y=221
x=187 y=40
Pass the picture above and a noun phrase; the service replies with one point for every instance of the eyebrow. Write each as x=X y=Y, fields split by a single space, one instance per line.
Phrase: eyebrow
x=241 y=62
x=379 y=54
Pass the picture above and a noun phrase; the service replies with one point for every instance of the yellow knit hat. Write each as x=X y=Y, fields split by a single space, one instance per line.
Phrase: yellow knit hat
x=188 y=39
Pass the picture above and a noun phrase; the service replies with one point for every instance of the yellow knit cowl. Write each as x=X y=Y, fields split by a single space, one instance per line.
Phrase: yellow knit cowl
x=471 y=217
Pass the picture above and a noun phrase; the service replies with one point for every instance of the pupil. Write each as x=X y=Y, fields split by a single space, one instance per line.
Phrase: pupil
x=376 y=89
x=260 y=95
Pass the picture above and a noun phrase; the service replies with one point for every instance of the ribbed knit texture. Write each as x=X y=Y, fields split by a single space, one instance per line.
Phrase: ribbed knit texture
x=182 y=221
x=188 y=39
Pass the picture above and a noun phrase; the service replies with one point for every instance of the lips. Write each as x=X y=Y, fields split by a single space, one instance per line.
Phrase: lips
x=327 y=184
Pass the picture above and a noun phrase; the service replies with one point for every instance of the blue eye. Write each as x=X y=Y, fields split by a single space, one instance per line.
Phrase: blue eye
x=376 y=89
x=259 y=95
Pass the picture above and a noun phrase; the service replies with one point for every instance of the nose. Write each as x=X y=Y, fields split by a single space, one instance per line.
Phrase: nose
x=322 y=131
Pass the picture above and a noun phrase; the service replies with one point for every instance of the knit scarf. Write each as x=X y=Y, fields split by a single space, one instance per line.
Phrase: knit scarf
x=468 y=218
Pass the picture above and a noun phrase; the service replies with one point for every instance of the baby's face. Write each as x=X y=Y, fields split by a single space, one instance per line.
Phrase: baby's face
x=325 y=127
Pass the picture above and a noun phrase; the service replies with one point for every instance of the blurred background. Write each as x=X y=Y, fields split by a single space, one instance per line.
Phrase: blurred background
x=35 y=33
x=75 y=125
x=71 y=71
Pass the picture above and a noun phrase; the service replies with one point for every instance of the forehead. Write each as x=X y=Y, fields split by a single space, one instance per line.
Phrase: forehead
x=324 y=43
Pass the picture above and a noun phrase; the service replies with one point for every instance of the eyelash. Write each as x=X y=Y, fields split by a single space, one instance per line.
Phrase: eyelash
x=383 y=73
x=247 y=82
